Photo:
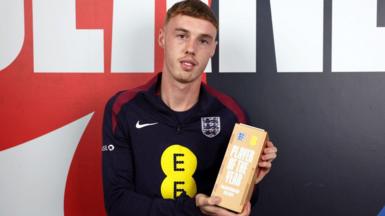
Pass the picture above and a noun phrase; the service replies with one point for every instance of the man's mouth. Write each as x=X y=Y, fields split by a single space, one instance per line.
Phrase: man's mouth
x=188 y=64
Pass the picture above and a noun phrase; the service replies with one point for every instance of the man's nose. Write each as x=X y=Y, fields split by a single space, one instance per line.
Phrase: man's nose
x=190 y=47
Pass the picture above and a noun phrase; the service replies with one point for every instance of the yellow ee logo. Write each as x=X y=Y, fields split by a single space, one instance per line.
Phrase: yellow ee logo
x=178 y=164
x=253 y=141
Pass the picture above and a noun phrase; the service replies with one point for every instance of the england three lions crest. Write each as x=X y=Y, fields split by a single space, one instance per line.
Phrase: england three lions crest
x=211 y=126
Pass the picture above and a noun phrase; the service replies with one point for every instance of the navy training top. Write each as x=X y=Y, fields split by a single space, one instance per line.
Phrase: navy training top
x=155 y=159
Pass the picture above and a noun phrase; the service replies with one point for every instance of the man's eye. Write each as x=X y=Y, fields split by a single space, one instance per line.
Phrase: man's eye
x=203 y=41
x=181 y=36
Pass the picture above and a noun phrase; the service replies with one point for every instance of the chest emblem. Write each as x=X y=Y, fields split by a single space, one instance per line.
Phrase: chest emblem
x=139 y=125
x=211 y=126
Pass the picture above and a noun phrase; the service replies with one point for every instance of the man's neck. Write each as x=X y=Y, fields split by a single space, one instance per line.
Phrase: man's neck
x=179 y=96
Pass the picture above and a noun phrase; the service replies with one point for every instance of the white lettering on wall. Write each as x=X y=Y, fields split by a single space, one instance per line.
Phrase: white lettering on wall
x=58 y=45
x=358 y=44
x=298 y=35
x=238 y=36
x=11 y=31
x=133 y=36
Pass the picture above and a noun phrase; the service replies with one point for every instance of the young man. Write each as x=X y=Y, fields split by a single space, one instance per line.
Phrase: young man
x=165 y=141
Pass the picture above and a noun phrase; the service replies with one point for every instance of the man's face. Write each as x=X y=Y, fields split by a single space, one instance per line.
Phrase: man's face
x=188 y=45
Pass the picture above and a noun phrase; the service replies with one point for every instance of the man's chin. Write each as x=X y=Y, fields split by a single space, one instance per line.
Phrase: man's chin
x=183 y=80
x=186 y=77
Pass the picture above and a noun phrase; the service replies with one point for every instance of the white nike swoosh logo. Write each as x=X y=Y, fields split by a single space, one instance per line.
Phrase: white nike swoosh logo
x=138 y=125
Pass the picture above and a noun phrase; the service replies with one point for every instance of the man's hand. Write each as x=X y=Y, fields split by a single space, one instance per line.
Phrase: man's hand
x=207 y=206
x=264 y=166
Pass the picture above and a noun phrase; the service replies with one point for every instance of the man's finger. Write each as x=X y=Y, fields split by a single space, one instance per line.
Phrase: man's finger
x=202 y=200
x=270 y=157
x=264 y=164
x=269 y=150
x=210 y=210
x=214 y=200
x=246 y=210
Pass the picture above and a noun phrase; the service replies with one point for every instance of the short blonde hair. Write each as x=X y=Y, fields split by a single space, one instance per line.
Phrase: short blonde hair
x=193 y=8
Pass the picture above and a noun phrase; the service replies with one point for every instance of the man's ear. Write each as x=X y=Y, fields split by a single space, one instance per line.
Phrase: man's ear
x=161 y=37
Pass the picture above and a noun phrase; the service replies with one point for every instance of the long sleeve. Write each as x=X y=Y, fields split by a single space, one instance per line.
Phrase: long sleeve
x=120 y=196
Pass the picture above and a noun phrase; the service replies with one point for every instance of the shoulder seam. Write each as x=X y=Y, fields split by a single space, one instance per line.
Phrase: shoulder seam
x=228 y=102
x=123 y=97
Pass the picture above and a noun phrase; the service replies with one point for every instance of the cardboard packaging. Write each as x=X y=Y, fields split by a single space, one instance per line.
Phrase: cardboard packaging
x=237 y=175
